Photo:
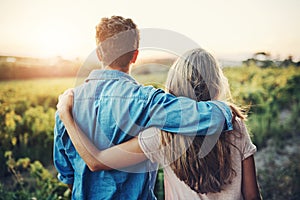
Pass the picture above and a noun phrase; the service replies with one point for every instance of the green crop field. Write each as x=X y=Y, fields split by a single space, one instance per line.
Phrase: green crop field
x=27 y=107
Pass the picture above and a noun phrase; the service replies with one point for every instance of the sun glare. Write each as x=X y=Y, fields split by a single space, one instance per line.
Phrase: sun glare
x=56 y=42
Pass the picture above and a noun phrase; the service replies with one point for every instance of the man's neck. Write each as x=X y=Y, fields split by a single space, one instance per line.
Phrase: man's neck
x=125 y=69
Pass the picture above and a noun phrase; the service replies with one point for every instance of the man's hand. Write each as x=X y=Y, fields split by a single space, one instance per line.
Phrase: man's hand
x=65 y=103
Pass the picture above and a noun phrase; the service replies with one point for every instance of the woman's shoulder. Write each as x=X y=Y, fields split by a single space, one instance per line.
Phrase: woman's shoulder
x=149 y=142
x=241 y=138
x=239 y=125
x=149 y=132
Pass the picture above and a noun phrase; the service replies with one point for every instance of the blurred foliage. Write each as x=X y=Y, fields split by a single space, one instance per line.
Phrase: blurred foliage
x=27 y=118
x=271 y=96
x=281 y=182
x=39 y=183
x=159 y=185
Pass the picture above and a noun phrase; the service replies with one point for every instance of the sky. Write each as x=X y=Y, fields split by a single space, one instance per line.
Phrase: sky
x=231 y=29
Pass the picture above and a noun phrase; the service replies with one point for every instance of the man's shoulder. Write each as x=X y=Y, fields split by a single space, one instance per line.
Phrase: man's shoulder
x=115 y=87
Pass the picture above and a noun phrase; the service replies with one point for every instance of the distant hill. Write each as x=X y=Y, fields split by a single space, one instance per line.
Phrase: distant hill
x=152 y=65
x=12 y=67
x=158 y=65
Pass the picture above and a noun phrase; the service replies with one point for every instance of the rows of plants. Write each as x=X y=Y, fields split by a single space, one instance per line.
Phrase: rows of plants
x=270 y=96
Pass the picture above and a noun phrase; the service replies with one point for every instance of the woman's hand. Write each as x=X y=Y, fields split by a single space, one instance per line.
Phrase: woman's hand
x=65 y=103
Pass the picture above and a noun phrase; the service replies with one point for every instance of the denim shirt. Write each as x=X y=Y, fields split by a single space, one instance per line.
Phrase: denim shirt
x=111 y=108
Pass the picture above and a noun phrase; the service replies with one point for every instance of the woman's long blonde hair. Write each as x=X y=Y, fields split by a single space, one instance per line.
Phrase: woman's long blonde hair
x=198 y=76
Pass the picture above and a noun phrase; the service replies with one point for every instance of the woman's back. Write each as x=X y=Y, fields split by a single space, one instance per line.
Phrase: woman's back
x=240 y=149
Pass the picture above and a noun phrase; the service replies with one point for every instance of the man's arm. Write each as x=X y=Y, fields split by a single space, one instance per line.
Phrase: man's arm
x=186 y=116
x=60 y=158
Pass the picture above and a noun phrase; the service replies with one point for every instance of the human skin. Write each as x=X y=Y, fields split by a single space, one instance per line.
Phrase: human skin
x=130 y=153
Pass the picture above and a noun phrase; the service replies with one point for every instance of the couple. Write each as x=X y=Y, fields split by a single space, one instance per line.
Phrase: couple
x=111 y=133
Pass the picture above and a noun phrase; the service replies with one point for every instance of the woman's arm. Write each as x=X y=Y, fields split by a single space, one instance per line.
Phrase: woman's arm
x=250 y=187
x=118 y=156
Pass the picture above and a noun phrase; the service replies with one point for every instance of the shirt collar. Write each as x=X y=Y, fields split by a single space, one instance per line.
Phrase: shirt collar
x=108 y=74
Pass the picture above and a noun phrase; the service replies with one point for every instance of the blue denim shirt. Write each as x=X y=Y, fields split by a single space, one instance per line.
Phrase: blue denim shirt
x=111 y=107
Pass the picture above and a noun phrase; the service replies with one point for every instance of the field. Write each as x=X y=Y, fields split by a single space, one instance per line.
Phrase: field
x=270 y=96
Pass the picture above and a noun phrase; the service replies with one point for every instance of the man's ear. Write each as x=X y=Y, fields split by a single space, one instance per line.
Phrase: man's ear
x=134 y=57
x=98 y=54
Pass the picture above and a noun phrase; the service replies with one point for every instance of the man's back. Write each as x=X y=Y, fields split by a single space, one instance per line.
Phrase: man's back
x=105 y=109
x=111 y=108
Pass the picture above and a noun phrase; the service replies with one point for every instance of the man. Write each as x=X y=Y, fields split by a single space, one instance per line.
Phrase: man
x=112 y=108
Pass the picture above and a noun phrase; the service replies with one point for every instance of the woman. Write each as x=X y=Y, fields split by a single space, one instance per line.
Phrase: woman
x=194 y=168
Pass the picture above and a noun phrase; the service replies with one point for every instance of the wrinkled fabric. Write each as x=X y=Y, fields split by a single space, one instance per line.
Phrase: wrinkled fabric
x=111 y=108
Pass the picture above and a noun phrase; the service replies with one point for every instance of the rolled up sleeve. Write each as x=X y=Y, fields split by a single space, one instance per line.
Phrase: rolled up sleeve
x=186 y=116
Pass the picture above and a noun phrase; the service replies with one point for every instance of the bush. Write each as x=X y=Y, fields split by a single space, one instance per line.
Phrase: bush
x=27 y=120
x=40 y=183
x=281 y=182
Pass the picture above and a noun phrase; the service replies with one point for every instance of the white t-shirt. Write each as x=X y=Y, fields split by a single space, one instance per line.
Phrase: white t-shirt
x=149 y=141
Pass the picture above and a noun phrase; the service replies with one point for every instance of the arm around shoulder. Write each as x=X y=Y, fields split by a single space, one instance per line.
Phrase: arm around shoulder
x=118 y=156
x=186 y=116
